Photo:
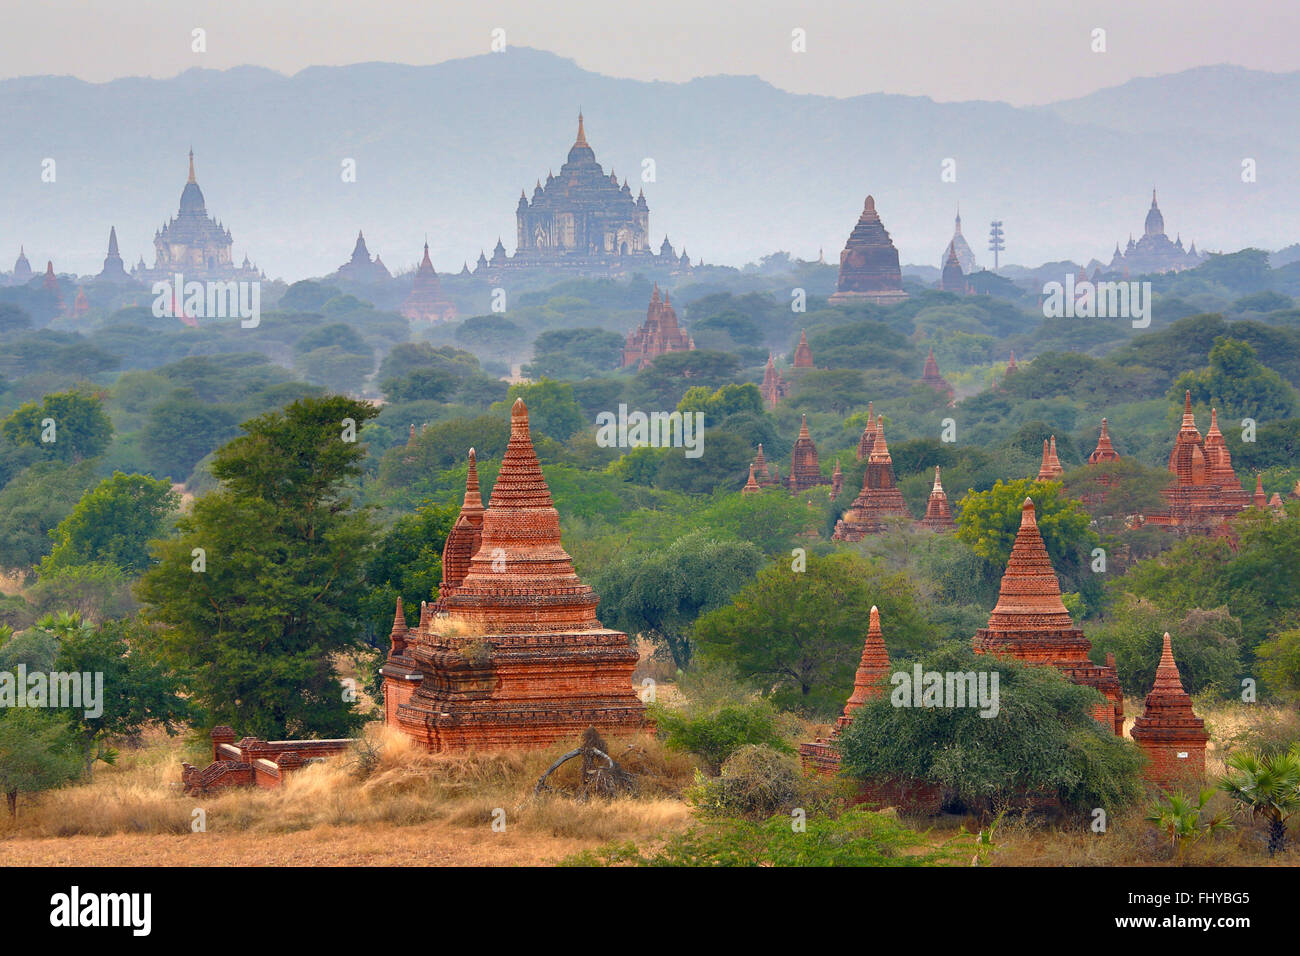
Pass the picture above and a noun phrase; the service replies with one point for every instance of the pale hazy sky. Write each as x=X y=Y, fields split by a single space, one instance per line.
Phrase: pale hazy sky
x=1020 y=51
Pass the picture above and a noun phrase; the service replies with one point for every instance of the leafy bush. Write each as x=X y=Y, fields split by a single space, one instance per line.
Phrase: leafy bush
x=718 y=733
x=758 y=781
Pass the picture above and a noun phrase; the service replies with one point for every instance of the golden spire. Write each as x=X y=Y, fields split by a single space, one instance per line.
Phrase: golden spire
x=192 y=179
x=582 y=135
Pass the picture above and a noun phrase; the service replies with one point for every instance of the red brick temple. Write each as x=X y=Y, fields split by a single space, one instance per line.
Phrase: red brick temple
x=763 y=477
x=802 y=353
x=822 y=756
x=938 y=515
x=869 y=270
x=774 y=387
x=511 y=655
x=805 y=470
x=658 y=334
x=1104 y=451
x=837 y=479
x=879 y=498
x=1169 y=733
x=751 y=486
x=1205 y=490
x=931 y=376
x=1050 y=469
x=426 y=303
x=1030 y=623
x=868 y=435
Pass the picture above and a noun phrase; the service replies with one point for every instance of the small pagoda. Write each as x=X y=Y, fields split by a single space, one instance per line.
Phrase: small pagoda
x=427 y=303
x=1105 y=451
x=822 y=755
x=938 y=515
x=879 y=498
x=1168 y=731
x=868 y=438
x=774 y=387
x=802 y=353
x=1205 y=490
x=1031 y=624
x=1050 y=469
x=931 y=376
x=511 y=654
x=805 y=470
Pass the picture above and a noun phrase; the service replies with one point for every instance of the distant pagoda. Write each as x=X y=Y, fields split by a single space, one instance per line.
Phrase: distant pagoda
x=805 y=471
x=426 y=303
x=952 y=279
x=1031 y=624
x=657 y=335
x=868 y=438
x=1154 y=252
x=584 y=221
x=1205 y=490
x=802 y=353
x=774 y=387
x=511 y=656
x=1105 y=451
x=762 y=475
x=959 y=246
x=1050 y=469
x=930 y=376
x=869 y=270
x=194 y=244
x=361 y=268
x=22 y=273
x=938 y=514
x=879 y=497
x=114 y=270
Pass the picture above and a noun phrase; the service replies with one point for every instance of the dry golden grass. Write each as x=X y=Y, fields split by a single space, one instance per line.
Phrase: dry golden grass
x=413 y=808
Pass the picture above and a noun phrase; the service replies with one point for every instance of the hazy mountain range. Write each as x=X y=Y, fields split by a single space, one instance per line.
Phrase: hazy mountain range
x=743 y=168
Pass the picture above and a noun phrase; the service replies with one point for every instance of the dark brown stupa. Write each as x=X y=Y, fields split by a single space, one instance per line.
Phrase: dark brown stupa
x=879 y=498
x=1030 y=623
x=512 y=655
x=869 y=270
x=426 y=302
x=930 y=376
x=952 y=279
x=821 y=756
x=805 y=470
x=1168 y=731
x=802 y=353
x=938 y=515
x=1104 y=451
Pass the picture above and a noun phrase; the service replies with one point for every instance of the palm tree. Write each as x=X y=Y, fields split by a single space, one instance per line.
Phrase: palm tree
x=1265 y=787
x=1180 y=816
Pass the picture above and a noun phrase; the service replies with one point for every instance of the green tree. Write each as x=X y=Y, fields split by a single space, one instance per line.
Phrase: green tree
x=1043 y=740
x=989 y=520
x=282 y=580
x=1238 y=384
x=37 y=753
x=552 y=409
x=1265 y=787
x=33 y=504
x=114 y=523
x=798 y=635
x=661 y=593
x=65 y=426
x=181 y=430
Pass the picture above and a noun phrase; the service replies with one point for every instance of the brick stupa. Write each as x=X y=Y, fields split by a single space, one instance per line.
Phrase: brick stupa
x=762 y=475
x=1050 y=469
x=511 y=655
x=774 y=387
x=1105 y=451
x=938 y=515
x=802 y=353
x=1169 y=733
x=879 y=498
x=751 y=486
x=657 y=335
x=868 y=435
x=1205 y=491
x=869 y=270
x=1031 y=624
x=426 y=303
x=822 y=756
x=805 y=470
x=931 y=376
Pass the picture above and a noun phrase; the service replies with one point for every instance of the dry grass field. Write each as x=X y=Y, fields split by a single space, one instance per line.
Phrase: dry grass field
x=404 y=807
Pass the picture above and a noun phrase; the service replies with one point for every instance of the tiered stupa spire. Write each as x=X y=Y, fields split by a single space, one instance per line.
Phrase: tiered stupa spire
x=879 y=497
x=938 y=515
x=1030 y=622
x=1050 y=469
x=1168 y=730
x=868 y=434
x=805 y=470
x=1104 y=451
x=802 y=353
